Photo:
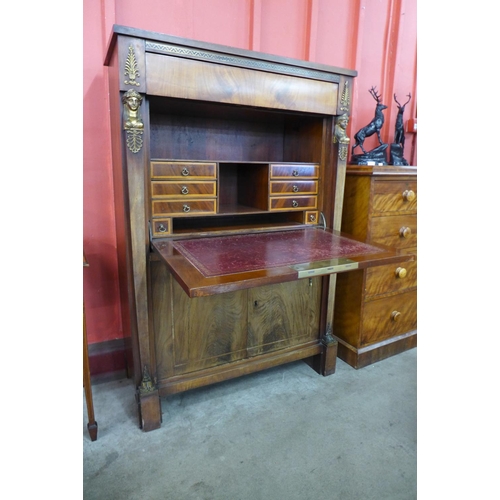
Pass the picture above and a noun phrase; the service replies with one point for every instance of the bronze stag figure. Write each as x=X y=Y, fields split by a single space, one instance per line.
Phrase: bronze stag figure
x=373 y=127
x=399 y=133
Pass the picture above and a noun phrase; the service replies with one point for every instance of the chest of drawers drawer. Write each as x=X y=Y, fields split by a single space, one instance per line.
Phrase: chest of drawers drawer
x=396 y=231
x=183 y=207
x=186 y=189
x=394 y=196
x=390 y=279
x=389 y=317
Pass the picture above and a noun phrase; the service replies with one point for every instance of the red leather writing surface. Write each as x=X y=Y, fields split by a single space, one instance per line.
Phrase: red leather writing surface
x=249 y=252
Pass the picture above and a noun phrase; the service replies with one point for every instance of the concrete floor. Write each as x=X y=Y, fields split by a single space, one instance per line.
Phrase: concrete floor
x=285 y=433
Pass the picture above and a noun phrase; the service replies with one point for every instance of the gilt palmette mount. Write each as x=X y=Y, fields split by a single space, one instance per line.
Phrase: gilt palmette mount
x=131 y=69
x=345 y=98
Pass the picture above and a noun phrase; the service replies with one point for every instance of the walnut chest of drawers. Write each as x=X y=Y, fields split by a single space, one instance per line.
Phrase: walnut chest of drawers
x=376 y=309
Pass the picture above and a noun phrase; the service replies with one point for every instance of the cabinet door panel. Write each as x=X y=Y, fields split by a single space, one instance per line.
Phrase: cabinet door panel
x=283 y=315
x=208 y=331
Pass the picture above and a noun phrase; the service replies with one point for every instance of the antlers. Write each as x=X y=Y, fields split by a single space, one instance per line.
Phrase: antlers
x=399 y=105
x=373 y=92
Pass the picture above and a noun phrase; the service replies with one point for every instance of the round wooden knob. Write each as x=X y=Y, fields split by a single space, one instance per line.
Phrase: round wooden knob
x=395 y=316
x=408 y=195
x=404 y=232
x=400 y=272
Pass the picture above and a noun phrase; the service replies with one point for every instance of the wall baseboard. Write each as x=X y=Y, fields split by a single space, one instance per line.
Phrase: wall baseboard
x=110 y=357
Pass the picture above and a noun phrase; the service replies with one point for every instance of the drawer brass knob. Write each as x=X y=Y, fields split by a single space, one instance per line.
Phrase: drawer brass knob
x=408 y=195
x=400 y=272
x=162 y=228
x=295 y=173
x=295 y=189
x=312 y=218
x=395 y=315
x=404 y=232
x=186 y=208
x=295 y=204
x=185 y=172
x=184 y=190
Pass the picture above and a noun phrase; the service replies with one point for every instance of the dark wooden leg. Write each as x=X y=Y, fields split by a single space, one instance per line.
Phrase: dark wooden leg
x=149 y=411
x=92 y=428
x=325 y=362
x=92 y=424
x=148 y=400
x=328 y=360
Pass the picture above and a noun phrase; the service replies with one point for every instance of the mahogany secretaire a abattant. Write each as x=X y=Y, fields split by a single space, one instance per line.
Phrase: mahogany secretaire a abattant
x=229 y=173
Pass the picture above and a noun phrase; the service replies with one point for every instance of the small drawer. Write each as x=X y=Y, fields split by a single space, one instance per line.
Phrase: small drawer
x=392 y=278
x=396 y=231
x=293 y=171
x=181 y=169
x=293 y=203
x=389 y=317
x=298 y=187
x=187 y=189
x=395 y=196
x=162 y=227
x=183 y=208
x=311 y=217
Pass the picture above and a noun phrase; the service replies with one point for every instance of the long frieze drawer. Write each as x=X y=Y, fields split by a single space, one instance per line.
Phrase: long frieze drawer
x=187 y=189
x=293 y=203
x=181 y=207
x=389 y=317
x=299 y=187
x=173 y=169
x=395 y=196
x=291 y=171
x=395 y=231
x=392 y=278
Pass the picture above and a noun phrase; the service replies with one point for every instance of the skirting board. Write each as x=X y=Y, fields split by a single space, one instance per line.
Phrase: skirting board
x=109 y=357
x=359 y=358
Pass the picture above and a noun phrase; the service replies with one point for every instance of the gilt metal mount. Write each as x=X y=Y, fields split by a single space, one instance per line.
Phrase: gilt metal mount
x=132 y=122
x=340 y=135
x=131 y=71
x=147 y=386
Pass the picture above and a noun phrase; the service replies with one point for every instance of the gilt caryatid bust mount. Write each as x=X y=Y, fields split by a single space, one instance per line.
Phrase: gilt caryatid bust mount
x=132 y=122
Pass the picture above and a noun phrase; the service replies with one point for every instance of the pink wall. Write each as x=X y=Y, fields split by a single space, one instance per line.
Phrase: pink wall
x=375 y=37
